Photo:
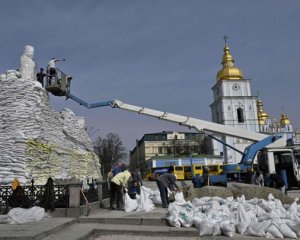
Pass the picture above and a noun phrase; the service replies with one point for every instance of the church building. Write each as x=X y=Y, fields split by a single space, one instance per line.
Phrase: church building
x=234 y=105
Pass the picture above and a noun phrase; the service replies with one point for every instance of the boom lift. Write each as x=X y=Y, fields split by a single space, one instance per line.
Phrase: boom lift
x=273 y=155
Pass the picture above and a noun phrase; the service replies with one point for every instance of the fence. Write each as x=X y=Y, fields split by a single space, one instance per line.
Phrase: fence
x=29 y=196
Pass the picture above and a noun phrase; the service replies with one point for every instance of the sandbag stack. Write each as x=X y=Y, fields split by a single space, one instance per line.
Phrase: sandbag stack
x=36 y=141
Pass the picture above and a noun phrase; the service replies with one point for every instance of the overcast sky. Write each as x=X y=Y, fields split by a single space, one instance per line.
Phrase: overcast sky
x=159 y=54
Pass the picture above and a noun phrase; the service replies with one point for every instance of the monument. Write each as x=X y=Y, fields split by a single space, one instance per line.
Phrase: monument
x=36 y=141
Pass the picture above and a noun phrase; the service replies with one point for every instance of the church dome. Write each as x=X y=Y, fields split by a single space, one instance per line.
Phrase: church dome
x=261 y=114
x=284 y=119
x=229 y=71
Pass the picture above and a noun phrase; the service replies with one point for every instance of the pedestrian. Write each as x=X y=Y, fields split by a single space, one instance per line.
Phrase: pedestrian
x=134 y=189
x=118 y=168
x=257 y=179
x=117 y=183
x=165 y=181
x=40 y=76
x=278 y=183
x=52 y=69
x=196 y=180
x=205 y=176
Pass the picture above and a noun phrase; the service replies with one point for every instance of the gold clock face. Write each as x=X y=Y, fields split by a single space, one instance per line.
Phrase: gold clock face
x=235 y=87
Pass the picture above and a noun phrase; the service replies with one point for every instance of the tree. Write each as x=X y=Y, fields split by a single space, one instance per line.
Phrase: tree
x=109 y=149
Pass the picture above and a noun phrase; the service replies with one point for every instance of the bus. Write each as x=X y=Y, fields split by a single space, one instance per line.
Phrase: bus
x=215 y=169
x=153 y=173
x=198 y=169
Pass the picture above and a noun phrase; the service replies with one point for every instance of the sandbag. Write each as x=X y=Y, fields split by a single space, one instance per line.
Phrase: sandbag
x=172 y=217
x=144 y=202
x=179 y=199
x=130 y=205
x=216 y=230
x=205 y=228
x=272 y=229
x=186 y=215
x=287 y=231
x=295 y=226
x=227 y=229
x=257 y=229
x=21 y=215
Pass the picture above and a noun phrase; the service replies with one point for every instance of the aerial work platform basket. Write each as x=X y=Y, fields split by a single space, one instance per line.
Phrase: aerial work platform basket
x=59 y=83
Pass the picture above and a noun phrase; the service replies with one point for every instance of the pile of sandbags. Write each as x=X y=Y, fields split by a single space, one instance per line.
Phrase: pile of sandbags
x=237 y=190
x=36 y=141
x=226 y=216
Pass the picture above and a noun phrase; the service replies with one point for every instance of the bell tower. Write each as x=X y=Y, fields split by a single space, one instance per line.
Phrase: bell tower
x=233 y=105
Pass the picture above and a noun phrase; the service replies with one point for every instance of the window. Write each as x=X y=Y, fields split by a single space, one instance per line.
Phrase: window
x=240 y=115
x=160 y=150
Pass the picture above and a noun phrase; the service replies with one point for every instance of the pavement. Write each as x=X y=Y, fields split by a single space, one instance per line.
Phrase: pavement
x=104 y=224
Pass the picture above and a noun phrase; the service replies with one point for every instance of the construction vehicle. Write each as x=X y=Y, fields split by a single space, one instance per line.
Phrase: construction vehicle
x=274 y=156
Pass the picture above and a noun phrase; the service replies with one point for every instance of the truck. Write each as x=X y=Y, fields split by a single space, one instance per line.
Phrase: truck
x=272 y=153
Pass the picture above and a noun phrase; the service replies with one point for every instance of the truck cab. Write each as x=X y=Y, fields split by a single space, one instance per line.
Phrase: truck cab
x=274 y=161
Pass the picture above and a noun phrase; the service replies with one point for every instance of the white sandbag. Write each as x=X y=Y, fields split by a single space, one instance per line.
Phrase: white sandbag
x=144 y=202
x=292 y=212
x=227 y=229
x=287 y=231
x=295 y=226
x=130 y=205
x=21 y=215
x=242 y=219
x=216 y=230
x=205 y=228
x=172 y=217
x=156 y=197
x=186 y=215
x=179 y=199
x=272 y=229
x=257 y=229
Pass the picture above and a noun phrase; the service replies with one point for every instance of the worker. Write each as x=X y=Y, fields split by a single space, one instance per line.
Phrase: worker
x=205 y=176
x=40 y=76
x=51 y=69
x=257 y=179
x=196 y=180
x=165 y=181
x=278 y=183
x=118 y=168
x=134 y=188
x=117 y=183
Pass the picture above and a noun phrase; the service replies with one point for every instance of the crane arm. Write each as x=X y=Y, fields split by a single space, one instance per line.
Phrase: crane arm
x=190 y=122
x=199 y=125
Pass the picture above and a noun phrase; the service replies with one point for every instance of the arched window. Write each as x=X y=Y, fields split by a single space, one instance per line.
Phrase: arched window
x=240 y=115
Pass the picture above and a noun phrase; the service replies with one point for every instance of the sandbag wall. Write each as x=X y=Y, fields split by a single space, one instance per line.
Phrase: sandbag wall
x=36 y=141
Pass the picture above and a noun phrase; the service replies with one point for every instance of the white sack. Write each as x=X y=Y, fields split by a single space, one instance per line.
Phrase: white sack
x=144 y=202
x=186 y=215
x=287 y=231
x=172 y=217
x=257 y=229
x=295 y=226
x=21 y=215
x=130 y=205
x=227 y=229
x=272 y=229
x=205 y=228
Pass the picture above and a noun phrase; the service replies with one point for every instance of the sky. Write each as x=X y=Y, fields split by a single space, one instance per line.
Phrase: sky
x=161 y=54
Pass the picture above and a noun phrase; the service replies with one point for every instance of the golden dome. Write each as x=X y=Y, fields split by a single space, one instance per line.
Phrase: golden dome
x=284 y=119
x=229 y=71
x=261 y=114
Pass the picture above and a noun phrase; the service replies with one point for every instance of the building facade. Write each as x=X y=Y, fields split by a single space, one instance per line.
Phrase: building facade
x=167 y=144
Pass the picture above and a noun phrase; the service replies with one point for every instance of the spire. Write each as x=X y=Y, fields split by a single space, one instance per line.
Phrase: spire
x=229 y=71
x=261 y=114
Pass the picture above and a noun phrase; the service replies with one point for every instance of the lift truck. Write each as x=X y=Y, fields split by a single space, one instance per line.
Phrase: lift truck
x=272 y=153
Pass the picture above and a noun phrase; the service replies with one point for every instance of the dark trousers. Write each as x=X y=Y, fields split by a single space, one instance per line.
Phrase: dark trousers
x=116 y=191
x=163 y=193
